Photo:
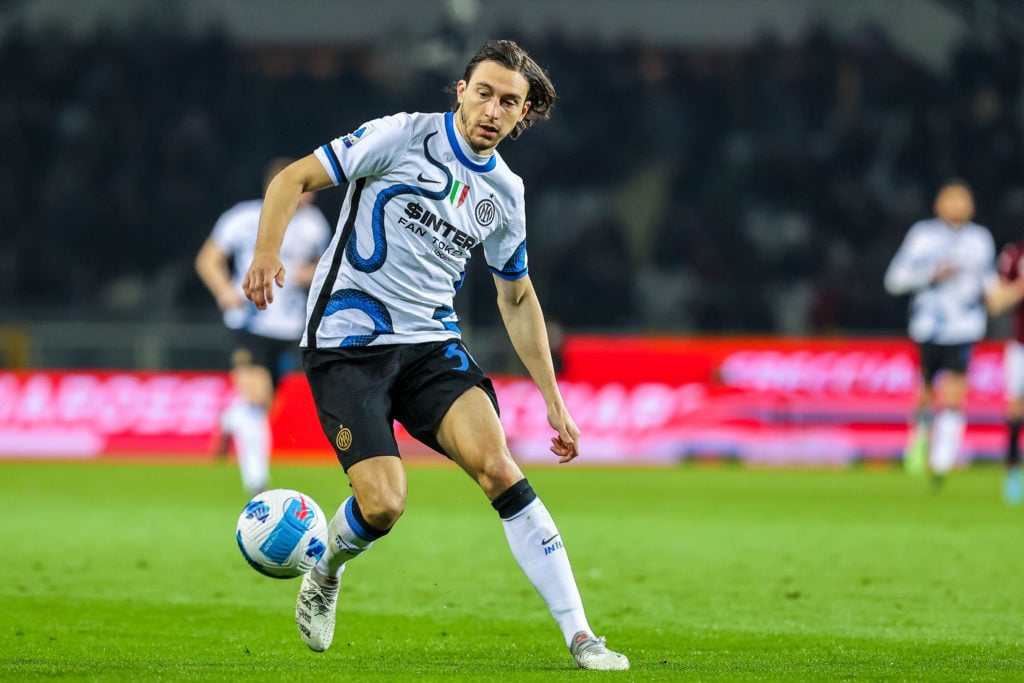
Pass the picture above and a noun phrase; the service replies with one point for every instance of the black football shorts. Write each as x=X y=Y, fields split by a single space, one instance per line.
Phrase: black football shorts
x=279 y=356
x=936 y=357
x=360 y=391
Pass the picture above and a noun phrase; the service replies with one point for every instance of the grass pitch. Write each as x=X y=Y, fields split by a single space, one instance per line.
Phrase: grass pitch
x=130 y=572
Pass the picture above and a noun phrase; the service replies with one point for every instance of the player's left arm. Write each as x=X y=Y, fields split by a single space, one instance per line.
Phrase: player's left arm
x=1003 y=286
x=521 y=312
x=1003 y=294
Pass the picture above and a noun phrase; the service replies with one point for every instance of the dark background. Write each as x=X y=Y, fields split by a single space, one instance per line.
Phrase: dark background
x=758 y=187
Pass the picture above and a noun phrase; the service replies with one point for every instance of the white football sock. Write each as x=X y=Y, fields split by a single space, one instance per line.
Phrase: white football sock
x=537 y=547
x=250 y=430
x=946 y=439
x=345 y=542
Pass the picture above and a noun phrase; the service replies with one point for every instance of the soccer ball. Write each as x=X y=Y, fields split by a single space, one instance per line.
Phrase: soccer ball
x=282 y=533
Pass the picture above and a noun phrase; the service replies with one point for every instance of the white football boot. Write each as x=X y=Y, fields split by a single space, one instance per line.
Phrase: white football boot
x=591 y=653
x=314 y=612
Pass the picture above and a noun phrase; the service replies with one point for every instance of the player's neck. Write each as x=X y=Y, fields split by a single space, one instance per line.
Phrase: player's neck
x=463 y=140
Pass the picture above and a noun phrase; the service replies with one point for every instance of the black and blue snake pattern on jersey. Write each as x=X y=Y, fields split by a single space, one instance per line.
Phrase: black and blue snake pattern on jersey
x=515 y=267
x=380 y=240
x=442 y=312
x=347 y=299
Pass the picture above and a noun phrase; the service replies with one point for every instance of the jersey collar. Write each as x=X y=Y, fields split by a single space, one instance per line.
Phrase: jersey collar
x=463 y=154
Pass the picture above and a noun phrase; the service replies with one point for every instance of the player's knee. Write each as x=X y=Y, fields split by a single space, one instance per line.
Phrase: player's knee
x=384 y=509
x=497 y=474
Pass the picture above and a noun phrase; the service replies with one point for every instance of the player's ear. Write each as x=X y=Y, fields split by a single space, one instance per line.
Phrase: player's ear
x=526 y=109
x=460 y=90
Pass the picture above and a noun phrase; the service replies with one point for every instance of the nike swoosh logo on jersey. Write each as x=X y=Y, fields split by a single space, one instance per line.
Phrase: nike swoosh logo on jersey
x=426 y=180
x=548 y=540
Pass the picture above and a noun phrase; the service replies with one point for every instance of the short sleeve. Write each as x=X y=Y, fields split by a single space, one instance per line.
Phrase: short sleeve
x=370 y=150
x=505 y=248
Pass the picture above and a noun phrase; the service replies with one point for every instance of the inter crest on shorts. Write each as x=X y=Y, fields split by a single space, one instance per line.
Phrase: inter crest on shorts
x=344 y=439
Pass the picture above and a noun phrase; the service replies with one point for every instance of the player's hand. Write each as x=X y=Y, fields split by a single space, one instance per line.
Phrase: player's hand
x=567 y=444
x=944 y=271
x=258 y=285
x=230 y=298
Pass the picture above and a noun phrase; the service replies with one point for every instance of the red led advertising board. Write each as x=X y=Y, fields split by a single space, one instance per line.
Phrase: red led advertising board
x=636 y=400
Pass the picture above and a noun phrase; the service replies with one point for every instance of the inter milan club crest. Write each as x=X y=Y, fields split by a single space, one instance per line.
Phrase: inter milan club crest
x=344 y=438
x=485 y=212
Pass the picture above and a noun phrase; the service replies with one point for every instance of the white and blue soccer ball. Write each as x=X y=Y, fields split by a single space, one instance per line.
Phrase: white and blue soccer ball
x=282 y=533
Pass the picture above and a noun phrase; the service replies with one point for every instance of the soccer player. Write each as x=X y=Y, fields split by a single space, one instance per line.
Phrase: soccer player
x=1009 y=267
x=382 y=339
x=947 y=264
x=270 y=337
x=245 y=420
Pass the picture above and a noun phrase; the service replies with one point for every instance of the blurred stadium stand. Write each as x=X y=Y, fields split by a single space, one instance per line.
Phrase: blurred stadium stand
x=726 y=166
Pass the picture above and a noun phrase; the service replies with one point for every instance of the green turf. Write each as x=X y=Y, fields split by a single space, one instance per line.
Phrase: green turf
x=130 y=572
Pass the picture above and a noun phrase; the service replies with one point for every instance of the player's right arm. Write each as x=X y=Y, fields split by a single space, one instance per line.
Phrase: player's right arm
x=913 y=268
x=279 y=205
x=212 y=267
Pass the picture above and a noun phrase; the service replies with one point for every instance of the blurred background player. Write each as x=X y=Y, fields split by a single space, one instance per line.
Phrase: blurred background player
x=947 y=264
x=269 y=338
x=1009 y=267
x=245 y=421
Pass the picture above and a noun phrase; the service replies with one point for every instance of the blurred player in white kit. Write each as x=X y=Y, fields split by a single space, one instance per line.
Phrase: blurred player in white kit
x=947 y=264
x=245 y=420
x=266 y=341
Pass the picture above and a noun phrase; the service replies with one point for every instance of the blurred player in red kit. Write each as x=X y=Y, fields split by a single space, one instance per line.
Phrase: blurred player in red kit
x=1009 y=267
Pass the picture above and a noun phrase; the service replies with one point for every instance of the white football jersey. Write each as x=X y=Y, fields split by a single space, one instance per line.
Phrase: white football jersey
x=418 y=201
x=951 y=311
x=306 y=238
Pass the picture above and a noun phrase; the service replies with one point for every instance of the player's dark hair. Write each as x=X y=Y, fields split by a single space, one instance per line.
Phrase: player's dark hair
x=508 y=54
x=956 y=182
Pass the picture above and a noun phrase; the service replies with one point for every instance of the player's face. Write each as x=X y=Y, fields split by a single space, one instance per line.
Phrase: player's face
x=955 y=205
x=490 y=105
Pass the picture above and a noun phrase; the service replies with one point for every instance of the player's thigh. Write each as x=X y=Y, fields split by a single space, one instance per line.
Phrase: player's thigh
x=472 y=435
x=933 y=359
x=954 y=359
x=953 y=392
x=351 y=391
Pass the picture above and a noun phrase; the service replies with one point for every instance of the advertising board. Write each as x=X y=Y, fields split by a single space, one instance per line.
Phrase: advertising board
x=636 y=400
